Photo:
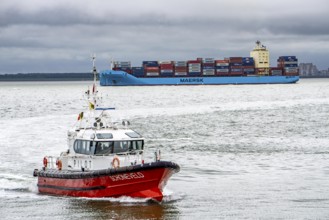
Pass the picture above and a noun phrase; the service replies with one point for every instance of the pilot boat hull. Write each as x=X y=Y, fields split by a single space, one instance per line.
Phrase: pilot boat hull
x=141 y=181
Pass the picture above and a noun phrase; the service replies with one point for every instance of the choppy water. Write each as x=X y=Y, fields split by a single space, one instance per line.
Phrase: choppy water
x=246 y=152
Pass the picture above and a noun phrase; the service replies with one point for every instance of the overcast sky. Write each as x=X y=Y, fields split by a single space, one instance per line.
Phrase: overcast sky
x=60 y=35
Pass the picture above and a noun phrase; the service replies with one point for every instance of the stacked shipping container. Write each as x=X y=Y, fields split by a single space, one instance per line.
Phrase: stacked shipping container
x=236 y=68
x=138 y=71
x=151 y=68
x=180 y=68
x=208 y=67
x=166 y=68
x=122 y=65
x=233 y=66
x=248 y=65
x=222 y=67
x=194 y=67
x=276 y=71
x=289 y=65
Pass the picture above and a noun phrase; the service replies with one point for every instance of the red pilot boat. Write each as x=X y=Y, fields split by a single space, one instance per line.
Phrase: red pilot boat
x=103 y=160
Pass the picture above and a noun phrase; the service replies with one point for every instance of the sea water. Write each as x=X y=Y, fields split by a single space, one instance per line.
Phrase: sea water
x=245 y=151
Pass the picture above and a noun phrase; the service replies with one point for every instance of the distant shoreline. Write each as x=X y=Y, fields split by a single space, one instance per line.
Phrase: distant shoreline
x=313 y=77
x=46 y=77
x=25 y=77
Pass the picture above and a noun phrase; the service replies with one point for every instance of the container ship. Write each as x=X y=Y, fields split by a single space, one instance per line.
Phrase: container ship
x=205 y=71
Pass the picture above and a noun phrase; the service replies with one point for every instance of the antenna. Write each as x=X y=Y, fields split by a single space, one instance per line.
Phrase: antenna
x=94 y=71
x=93 y=58
x=111 y=63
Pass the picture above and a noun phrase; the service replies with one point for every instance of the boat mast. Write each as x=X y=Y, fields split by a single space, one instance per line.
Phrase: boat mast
x=94 y=71
x=94 y=89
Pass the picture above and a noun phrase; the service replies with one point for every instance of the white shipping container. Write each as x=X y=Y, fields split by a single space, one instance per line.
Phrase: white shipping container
x=152 y=73
x=180 y=63
x=208 y=60
x=165 y=62
x=208 y=72
x=289 y=62
x=167 y=71
x=222 y=64
x=194 y=66
x=180 y=73
x=222 y=70
x=291 y=70
x=236 y=70
x=276 y=72
x=122 y=64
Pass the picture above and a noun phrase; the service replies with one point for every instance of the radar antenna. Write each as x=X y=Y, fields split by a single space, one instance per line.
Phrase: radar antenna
x=94 y=71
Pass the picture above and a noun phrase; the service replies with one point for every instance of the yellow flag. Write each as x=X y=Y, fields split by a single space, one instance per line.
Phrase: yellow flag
x=91 y=106
x=80 y=116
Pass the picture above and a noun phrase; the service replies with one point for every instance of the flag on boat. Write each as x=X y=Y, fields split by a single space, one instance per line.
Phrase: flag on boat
x=80 y=116
x=94 y=88
x=91 y=106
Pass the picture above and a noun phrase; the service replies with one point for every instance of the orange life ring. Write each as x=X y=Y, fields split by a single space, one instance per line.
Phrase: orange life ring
x=59 y=164
x=45 y=162
x=116 y=162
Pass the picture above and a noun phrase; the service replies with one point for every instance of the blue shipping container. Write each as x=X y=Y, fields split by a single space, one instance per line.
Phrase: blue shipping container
x=167 y=74
x=208 y=67
x=287 y=58
x=222 y=67
x=236 y=70
x=235 y=64
x=138 y=71
x=290 y=65
x=249 y=70
x=151 y=63
x=247 y=59
x=194 y=73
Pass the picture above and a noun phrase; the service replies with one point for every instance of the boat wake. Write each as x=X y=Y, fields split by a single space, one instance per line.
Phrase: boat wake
x=168 y=197
x=121 y=199
x=12 y=185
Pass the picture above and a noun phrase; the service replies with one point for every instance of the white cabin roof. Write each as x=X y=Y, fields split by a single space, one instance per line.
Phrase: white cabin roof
x=108 y=134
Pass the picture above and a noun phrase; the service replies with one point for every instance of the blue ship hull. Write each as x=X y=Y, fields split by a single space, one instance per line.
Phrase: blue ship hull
x=121 y=78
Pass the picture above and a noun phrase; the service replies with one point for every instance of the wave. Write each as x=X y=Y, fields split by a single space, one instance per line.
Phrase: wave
x=206 y=108
x=168 y=197
x=17 y=183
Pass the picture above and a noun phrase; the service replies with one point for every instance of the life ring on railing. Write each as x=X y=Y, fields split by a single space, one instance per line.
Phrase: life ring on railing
x=45 y=162
x=115 y=162
x=59 y=164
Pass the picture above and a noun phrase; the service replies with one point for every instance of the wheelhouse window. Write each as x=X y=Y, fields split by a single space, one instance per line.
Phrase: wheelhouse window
x=136 y=145
x=108 y=147
x=121 y=146
x=104 y=147
x=84 y=147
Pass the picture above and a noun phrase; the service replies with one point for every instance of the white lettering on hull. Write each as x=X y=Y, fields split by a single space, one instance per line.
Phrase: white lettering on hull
x=127 y=176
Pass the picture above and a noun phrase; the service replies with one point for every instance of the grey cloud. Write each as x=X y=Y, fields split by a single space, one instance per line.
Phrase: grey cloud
x=59 y=31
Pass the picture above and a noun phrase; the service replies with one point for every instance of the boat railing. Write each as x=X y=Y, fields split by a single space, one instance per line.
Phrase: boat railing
x=132 y=157
x=50 y=162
